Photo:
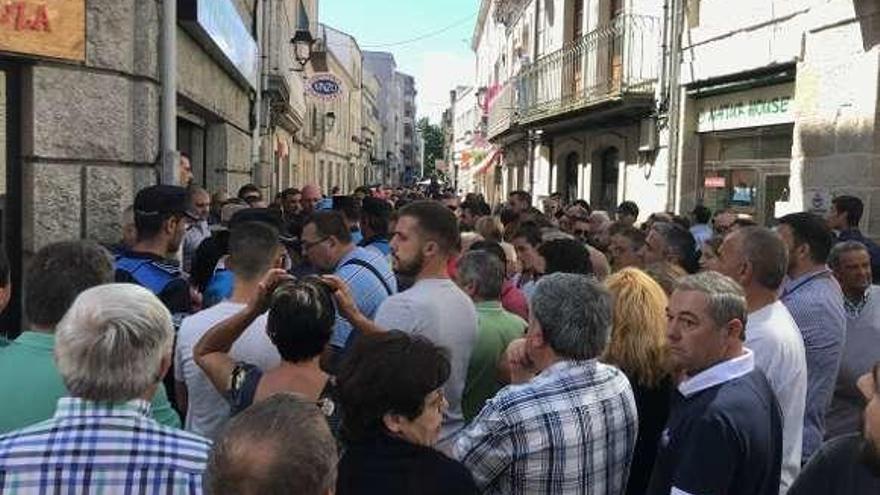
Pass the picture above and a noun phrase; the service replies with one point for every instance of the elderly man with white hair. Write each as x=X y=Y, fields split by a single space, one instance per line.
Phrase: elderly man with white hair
x=112 y=348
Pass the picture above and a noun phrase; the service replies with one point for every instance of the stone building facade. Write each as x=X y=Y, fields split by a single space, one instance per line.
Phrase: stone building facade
x=81 y=130
x=570 y=94
x=780 y=106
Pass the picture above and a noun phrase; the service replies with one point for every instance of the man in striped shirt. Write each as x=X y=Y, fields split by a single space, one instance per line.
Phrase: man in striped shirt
x=568 y=424
x=112 y=348
x=815 y=301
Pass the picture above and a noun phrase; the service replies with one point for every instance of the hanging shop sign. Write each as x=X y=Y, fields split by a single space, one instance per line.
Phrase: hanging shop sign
x=217 y=25
x=324 y=86
x=768 y=105
x=45 y=28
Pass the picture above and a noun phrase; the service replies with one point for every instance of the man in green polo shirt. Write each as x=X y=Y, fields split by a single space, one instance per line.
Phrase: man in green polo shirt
x=481 y=275
x=30 y=384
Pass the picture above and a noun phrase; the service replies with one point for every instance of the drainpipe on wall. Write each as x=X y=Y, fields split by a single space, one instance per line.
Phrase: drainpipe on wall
x=532 y=147
x=674 y=83
x=256 y=135
x=170 y=157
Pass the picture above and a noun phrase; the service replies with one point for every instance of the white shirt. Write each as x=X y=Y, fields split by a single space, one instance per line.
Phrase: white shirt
x=773 y=336
x=207 y=410
x=439 y=311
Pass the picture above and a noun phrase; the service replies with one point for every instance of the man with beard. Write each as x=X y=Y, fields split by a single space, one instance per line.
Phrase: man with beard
x=161 y=215
x=849 y=464
x=424 y=237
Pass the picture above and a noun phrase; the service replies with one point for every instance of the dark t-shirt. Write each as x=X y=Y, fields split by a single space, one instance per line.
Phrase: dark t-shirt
x=389 y=466
x=243 y=388
x=652 y=404
x=725 y=439
x=837 y=468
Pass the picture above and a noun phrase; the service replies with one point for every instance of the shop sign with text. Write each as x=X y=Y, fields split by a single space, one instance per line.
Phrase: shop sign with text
x=324 y=86
x=769 y=105
x=220 y=29
x=44 y=28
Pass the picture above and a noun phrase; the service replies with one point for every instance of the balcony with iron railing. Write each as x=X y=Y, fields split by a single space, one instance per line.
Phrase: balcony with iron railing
x=612 y=63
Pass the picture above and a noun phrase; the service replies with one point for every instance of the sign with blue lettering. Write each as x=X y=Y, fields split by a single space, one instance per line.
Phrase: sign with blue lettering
x=324 y=86
x=221 y=30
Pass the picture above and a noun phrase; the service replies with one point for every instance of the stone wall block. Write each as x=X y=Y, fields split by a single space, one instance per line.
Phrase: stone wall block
x=816 y=138
x=81 y=115
x=837 y=171
x=147 y=33
x=93 y=116
x=54 y=212
x=109 y=192
x=123 y=35
x=110 y=25
x=145 y=130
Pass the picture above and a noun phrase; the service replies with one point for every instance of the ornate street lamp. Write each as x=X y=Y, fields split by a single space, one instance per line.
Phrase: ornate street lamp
x=302 y=42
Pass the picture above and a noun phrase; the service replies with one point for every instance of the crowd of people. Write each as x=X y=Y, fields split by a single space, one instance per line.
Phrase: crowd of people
x=413 y=341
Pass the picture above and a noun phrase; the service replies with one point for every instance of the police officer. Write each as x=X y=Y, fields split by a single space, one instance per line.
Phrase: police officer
x=161 y=216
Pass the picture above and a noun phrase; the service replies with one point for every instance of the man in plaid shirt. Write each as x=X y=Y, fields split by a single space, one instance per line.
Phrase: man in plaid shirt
x=568 y=424
x=112 y=348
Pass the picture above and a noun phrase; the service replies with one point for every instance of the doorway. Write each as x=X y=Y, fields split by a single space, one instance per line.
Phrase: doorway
x=572 y=178
x=604 y=190
x=10 y=192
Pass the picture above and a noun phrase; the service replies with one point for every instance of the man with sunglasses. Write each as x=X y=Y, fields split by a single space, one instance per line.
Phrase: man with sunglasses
x=849 y=464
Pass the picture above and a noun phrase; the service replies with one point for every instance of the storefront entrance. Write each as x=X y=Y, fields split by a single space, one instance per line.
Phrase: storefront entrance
x=747 y=170
x=10 y=191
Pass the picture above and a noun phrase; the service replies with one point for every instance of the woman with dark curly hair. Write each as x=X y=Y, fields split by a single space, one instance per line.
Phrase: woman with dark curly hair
x=300 y=323
x=391 y=396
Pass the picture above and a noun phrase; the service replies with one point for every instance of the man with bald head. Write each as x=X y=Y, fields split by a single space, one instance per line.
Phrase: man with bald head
x=311 y=194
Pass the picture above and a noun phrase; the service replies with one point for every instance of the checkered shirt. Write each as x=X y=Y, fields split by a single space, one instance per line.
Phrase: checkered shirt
x=101 y=448
x=572 y=429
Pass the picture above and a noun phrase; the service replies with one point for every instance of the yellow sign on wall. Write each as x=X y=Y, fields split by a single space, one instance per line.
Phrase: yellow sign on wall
x=46 y=28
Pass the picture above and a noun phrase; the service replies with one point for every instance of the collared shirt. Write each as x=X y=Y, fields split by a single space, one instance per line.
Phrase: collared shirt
x=702 y=233
x=722 y=372
x=32 y=395
x=367 y=289
x=815 y=301
x=854 y=307
x=571 y=429
x=723 y=435
x=859 y=355
x=92 y=448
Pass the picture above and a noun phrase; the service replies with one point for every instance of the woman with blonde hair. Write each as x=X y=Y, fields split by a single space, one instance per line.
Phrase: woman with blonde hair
x=638 y=348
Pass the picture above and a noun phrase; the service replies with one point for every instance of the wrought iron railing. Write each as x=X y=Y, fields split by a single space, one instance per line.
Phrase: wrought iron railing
x=501 y=111
x=619 y=58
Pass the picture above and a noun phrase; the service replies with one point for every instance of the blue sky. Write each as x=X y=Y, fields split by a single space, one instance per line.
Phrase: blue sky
x=438 y=62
